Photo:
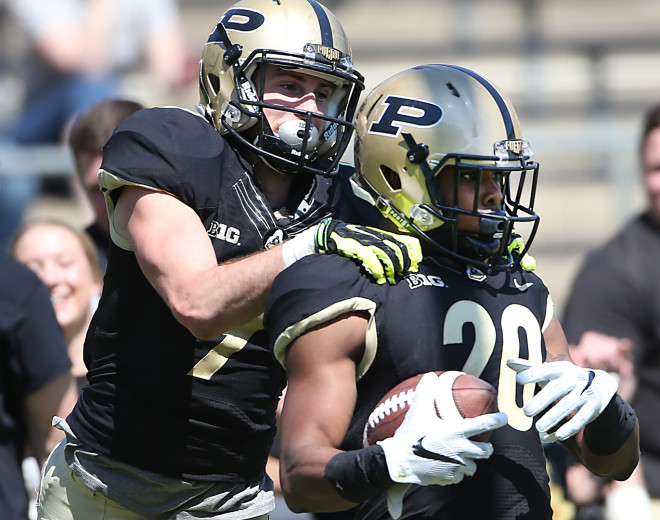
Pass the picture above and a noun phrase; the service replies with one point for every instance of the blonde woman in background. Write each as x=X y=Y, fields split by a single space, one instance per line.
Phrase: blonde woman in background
x=67 y=262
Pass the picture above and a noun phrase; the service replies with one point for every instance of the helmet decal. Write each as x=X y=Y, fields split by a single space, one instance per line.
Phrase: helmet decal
x=244 y=20
x=401 y=111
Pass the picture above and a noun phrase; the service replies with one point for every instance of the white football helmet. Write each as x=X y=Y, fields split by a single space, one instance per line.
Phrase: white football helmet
x=291 y=34
x=432 y=119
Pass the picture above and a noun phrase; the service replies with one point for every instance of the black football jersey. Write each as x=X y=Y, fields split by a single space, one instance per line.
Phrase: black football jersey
x=158 y=398
x=446 y=317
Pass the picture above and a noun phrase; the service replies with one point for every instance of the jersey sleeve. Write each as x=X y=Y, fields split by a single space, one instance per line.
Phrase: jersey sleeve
x=165 y=149
x=169 y=150
x=301 y=299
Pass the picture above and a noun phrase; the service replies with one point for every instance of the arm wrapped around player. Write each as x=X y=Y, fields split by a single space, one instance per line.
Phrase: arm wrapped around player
x=386 y=256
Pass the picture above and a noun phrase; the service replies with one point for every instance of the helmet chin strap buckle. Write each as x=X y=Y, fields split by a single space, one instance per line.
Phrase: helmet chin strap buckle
x=230 y=112
x=418 y=153
x=232 y=54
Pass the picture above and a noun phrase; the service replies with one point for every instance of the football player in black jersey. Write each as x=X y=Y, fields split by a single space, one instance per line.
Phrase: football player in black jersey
x=439 y=151
x=178 y=415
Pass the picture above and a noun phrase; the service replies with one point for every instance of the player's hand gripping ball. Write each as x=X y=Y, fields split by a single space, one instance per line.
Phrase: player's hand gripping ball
x=470 y=397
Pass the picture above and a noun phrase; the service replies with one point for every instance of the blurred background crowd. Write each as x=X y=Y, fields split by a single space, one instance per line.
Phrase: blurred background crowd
x=580 y=74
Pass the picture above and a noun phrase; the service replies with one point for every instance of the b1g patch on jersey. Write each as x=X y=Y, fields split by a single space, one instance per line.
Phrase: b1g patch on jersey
x=416 y=280
x=224 y=232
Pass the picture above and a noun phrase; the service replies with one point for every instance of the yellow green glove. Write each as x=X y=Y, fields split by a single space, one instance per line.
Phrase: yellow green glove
x=386 y=256
x=517 y=245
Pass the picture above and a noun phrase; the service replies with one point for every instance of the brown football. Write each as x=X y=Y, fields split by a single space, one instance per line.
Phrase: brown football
x=471 y=397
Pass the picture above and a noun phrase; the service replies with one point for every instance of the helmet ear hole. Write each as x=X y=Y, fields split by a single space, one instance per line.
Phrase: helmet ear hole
x=391 y=177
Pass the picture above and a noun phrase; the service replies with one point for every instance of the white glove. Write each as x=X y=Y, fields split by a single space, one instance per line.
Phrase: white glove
x=428 y=450
x=582 y=390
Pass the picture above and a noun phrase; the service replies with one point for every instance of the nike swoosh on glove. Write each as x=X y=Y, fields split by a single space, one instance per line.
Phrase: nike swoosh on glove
x=584 y=391
x=428 y=450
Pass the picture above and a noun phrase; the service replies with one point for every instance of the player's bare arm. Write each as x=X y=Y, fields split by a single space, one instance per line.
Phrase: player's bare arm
x=175 y=254
x=321 y=368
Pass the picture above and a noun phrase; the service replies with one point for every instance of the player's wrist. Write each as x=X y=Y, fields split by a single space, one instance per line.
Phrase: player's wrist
x=299 y=246
x=394 y=450
x=610 y=430
x=360 y=474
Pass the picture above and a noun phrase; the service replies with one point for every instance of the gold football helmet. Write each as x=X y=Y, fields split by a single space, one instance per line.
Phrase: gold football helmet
x=433 y=119
x=291 y=34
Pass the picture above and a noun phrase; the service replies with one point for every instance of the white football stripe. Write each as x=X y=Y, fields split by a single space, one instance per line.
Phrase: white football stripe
x=444 y=396
x=391 y=405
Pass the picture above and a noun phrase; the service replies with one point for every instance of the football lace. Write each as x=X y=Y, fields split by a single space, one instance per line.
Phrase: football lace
x=391 y=405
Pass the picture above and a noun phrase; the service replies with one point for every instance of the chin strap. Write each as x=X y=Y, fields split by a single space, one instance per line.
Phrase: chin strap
x=483 y=247
x=487 y=242
x=517 y=246
x=479 y=247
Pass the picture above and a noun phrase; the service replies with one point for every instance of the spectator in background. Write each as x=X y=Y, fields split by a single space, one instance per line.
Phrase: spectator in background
x=78 y=51
x=87 y=137
x=66 y=261
x=612 y=318
x=35 y=380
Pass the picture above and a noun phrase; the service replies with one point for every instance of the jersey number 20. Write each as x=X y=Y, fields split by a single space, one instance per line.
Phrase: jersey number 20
x=514 y=318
